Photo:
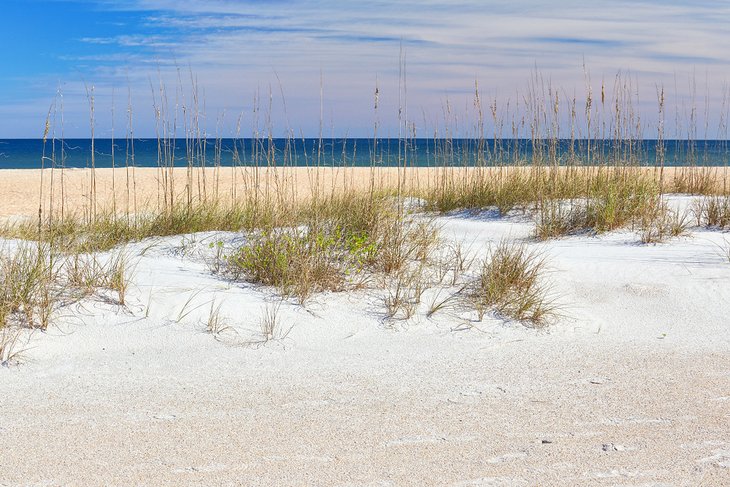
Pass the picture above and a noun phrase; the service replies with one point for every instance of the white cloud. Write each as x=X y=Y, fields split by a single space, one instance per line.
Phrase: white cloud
x=238 y=46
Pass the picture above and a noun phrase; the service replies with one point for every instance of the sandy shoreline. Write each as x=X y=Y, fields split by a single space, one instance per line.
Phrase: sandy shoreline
x=20 y=189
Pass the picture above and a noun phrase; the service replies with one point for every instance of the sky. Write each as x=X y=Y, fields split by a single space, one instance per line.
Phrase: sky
x=316 y=63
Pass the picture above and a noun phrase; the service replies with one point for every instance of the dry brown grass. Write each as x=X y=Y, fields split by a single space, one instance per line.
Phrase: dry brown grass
x=725 y=250
x=216 y=324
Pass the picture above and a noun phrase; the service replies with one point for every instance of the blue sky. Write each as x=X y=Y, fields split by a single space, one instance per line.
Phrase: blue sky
x=236 y=48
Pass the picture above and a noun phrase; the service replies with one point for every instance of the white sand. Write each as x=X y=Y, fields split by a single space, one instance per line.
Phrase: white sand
x=630 y=387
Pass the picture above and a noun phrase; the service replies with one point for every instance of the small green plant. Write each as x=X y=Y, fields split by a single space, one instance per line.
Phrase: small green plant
x=362 y=248
x=299 y=263
x=217 y=247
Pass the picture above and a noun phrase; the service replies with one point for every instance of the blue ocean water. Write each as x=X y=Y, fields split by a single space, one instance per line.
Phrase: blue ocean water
x=76 y=153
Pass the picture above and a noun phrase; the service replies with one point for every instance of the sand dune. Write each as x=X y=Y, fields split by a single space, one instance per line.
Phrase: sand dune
x=630 y=386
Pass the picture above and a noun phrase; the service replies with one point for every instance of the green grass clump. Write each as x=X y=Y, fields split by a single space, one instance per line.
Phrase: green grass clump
x=717 y=211
x=27 y=286
x=332 y=242
x=510 y=283
x=659 y=223
x=481 y=188
x=555 y=218
x=87 y=273
x=598 y=199
x=609 y=201
x=616 y=200
x=296 y=261
x=81 y=234
x=35 y=280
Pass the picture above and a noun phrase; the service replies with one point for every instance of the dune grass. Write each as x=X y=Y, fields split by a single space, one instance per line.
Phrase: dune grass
x=78 y=233
x=511 y=282
x=657 y=223
x=716 y=212
x=330 y=246
x=28 y=285
x=270 y=325
x=35 y=280
x=342 y=237
x=87 y=273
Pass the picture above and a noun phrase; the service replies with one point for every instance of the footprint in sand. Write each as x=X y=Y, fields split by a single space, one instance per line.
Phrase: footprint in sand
x=644 y=290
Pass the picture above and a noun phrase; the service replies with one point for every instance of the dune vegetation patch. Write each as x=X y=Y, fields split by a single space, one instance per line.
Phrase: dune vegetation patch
x=512 y=283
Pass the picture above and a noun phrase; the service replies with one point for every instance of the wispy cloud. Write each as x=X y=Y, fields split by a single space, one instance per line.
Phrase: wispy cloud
x=236 y=47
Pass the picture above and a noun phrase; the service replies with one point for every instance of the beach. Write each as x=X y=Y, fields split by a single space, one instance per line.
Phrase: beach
x=364 y=244
x=144 y=188
x=629 y=384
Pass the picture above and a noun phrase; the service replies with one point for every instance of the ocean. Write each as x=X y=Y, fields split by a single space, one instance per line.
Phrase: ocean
x=76 y=153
